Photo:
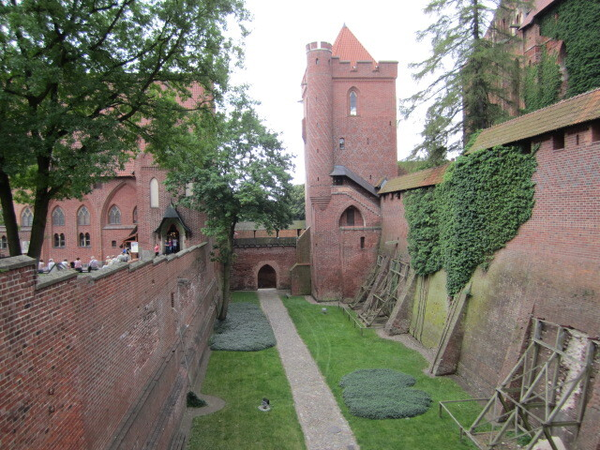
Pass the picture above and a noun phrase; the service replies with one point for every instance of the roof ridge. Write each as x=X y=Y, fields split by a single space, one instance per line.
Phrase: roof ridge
x=564 y=100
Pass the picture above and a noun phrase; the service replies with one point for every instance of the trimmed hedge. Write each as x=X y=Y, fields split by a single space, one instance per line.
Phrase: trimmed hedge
x=246 y=329
x=383 y=394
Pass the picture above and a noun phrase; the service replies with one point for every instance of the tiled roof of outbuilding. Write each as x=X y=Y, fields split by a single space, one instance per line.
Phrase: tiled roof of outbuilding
x=572 y=111
x=423 y=178
x=348 y=48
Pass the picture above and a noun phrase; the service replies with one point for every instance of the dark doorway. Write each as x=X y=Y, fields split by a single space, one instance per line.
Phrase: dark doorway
x=172 y=242
x=267 y=277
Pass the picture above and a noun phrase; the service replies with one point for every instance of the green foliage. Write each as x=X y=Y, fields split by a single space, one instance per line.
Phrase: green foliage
x=479 y=207
x=423 y=236
x=82 y=82
x=298 y=202
x=246 y=329
x=383 y=394
x=238 y=171
x=467 y=70
x=193 y=401
x=410 y=166
x=542 y=83
x=577 y=23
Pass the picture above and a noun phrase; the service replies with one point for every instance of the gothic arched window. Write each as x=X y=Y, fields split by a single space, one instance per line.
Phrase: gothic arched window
x=83 y=216
x=26 y=218
x=114 y=215
x=153 y=193
x=353 y=102
x=3 y=242
x=134 y=215
x=58 y=217
x=351 y=217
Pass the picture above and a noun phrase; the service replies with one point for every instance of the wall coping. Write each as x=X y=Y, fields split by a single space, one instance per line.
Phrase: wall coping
x=15 y=262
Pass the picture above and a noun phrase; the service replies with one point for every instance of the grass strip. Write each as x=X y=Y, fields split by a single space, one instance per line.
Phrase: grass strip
x=339 y=349
x=242 y=379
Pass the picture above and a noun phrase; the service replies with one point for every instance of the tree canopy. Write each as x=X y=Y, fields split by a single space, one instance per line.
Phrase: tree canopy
x=81 y=82
x=466 y=73
x=236 y=171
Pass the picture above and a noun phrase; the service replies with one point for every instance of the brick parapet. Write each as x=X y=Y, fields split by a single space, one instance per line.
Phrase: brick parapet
x=79 y=351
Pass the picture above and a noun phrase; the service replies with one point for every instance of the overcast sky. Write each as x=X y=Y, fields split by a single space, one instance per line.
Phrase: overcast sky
x=276 y=56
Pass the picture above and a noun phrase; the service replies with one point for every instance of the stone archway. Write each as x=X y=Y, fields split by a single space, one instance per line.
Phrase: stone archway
x=267 y=277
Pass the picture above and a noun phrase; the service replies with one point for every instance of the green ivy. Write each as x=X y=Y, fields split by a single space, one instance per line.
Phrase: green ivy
x=577 y=23
x=423 y=236
x=479 y=207
x=542 y=83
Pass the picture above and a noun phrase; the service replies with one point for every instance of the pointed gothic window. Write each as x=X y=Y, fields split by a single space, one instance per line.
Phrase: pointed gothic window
x=58 y=217
x=83 y=216
x=353 y=103
x=3 y=242
x=26 y=218
x=134 y=215
x=153 y=193
x=114 y=215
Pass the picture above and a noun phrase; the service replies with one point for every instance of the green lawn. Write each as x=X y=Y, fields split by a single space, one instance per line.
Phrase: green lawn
x=242 y=379
x=339 y=349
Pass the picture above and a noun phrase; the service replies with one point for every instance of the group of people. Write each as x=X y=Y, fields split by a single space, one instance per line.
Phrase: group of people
x=79 y=266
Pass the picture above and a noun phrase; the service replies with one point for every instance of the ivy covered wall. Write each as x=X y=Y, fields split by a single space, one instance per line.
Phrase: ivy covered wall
x=459 y=224
x=577 y=24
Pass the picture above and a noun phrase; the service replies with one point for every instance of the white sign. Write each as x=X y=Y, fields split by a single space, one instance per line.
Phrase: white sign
x=134 y=247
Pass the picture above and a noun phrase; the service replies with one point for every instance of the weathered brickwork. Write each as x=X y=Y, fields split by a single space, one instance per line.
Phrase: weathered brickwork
x=250 y=260
x=100 y=360
x=358 y=136
x=550 y=270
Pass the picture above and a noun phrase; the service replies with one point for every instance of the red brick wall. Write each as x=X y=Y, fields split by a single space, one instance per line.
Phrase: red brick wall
x=550 y=270
x=250 y=260
x=92 y=361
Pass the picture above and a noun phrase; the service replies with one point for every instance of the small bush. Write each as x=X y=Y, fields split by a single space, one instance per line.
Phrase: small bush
x=193 y=401
x=246 y=329
x=383 y=394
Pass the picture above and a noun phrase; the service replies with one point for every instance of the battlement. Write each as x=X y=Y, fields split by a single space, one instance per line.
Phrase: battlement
x=319 y=46
x=382 y=69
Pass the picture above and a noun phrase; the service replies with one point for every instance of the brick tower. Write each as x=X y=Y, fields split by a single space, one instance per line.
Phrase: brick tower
x=349 y=132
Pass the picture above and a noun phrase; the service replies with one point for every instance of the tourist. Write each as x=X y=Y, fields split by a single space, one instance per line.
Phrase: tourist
x=41 y=267
x=51 y=264
x=156 y=249
x=77 y=265
x=93 y=264
x=64 y=264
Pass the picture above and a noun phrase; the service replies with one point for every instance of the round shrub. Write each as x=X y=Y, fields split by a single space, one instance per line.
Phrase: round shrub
x=383 y=394
x=245 y=329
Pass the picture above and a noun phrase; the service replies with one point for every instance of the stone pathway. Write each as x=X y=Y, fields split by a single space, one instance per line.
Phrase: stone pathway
x=323 y=424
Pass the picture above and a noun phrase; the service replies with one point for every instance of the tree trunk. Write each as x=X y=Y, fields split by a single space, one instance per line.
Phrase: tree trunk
x=226 y=252
x=40 y=214
x=10 y=218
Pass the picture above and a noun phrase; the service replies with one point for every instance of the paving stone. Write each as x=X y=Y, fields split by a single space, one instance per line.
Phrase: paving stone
x=323 y=424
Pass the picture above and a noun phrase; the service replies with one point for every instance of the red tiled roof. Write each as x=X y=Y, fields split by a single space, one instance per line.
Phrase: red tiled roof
x=572 y=111
x=538 y=7
x=348 y=48
x=423 y=178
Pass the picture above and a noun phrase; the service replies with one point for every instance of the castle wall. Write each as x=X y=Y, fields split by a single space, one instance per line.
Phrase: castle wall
x=549 y=270
x=101 y=360
x=249 y=260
